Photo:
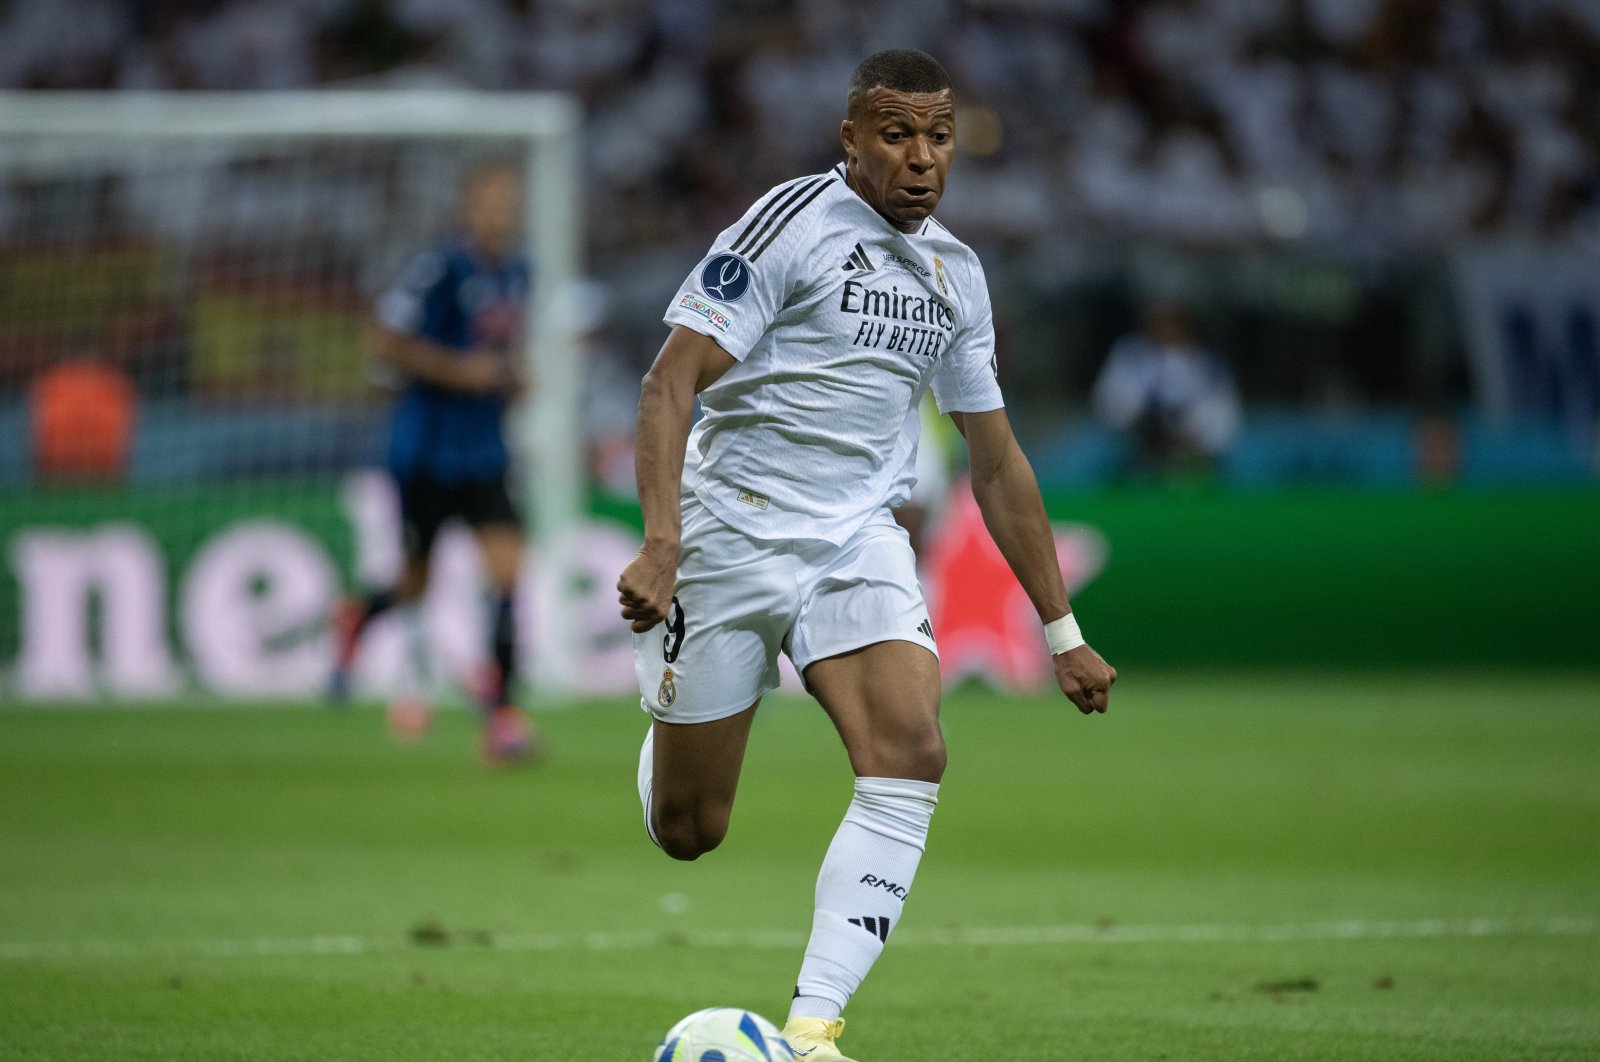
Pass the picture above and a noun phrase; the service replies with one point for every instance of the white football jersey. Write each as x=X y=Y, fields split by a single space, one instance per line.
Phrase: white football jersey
x=839 y=323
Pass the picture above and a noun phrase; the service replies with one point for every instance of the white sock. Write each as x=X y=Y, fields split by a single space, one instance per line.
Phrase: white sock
x=647 y=772
x=862 y=889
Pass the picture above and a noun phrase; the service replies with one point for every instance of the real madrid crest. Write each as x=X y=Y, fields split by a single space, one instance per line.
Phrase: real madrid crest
x=666 y=693
x=938 y=274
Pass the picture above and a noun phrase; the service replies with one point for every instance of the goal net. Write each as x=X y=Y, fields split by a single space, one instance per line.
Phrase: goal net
x=192 y=425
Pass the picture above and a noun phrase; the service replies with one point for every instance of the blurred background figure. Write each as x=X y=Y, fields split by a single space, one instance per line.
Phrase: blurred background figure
x=1174 y=401
x=83 y=422
x=448 y=329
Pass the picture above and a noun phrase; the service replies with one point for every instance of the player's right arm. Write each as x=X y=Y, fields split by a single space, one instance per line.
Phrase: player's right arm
x=474 y=372
x=687 y=364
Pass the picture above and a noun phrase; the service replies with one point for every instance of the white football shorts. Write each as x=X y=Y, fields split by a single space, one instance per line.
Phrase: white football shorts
x=740 y=600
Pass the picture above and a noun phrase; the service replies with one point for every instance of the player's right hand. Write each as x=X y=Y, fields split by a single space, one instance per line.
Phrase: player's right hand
x=646 y=585
x=1085 y=678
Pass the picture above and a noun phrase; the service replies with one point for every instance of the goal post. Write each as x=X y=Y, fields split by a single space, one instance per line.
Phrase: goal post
x=296 y=203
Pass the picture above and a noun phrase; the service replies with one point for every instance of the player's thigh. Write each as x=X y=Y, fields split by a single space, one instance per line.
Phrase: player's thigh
x=424 y=507
x=696 y=770
x=501 y=546
x=884 y=700
x=488 y=509
x=865 y=647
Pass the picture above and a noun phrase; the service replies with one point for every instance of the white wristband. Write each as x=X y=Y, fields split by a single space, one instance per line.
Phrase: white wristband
x=1063 y=634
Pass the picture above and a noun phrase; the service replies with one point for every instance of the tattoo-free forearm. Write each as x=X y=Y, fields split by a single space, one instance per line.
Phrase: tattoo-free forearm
x=1008 y=496
x=661 y=434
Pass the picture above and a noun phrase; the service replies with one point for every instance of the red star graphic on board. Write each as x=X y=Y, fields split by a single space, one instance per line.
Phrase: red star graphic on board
x=984 y=623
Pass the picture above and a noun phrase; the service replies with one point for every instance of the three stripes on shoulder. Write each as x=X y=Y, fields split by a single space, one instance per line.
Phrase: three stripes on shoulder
x=786 y=203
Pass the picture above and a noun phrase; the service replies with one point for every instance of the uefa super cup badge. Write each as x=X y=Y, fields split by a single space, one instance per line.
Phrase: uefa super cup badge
x=666 y=693
x=938 y=274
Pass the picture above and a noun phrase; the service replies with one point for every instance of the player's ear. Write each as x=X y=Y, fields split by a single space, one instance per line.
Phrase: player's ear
x=847 y=137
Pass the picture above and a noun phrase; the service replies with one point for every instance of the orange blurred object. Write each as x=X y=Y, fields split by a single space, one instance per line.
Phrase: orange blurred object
x=83 y=414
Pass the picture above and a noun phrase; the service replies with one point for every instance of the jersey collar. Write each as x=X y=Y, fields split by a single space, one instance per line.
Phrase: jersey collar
x=844 y=177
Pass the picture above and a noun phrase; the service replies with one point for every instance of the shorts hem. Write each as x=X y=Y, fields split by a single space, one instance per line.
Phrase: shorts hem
x=715 y=715
x=850 y=645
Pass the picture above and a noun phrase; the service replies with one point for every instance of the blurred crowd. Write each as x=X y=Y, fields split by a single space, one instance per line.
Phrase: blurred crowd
x=1356 y=126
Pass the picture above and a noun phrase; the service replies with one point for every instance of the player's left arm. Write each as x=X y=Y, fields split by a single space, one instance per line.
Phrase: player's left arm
x=1008 y=496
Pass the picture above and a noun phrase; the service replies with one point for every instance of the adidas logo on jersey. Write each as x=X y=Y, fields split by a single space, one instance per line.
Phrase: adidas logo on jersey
x=878 y=927
x=858 y=262
x=925 y=629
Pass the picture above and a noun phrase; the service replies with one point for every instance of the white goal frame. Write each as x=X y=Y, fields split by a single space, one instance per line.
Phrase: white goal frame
x=549 y=432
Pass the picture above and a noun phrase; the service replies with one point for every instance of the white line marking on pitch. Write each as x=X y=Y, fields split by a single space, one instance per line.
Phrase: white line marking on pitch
x=1205 y=933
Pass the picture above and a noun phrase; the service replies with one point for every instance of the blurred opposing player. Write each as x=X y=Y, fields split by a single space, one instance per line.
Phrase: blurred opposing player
x=450 y=329
x=809 y=333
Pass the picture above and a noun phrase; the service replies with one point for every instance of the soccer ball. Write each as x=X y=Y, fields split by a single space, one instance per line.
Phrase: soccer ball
x=723 y=1034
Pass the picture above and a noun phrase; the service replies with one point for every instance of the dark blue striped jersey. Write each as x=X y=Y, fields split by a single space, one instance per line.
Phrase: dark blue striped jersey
x=453 y=296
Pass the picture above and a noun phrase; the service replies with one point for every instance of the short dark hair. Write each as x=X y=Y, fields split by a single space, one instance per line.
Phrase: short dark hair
x=898 y=69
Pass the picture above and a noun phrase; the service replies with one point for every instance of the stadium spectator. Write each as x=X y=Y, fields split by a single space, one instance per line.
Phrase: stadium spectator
x=449 y=328
x=1175 y=401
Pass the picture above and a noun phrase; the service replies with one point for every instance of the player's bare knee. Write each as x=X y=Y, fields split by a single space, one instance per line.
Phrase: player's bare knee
x=689 y=833
x=926 y=758
x=688 y=844
x=502 y=562
x=920 y=755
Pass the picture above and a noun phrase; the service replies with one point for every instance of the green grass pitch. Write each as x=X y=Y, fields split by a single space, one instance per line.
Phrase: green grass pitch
x=1373 y=866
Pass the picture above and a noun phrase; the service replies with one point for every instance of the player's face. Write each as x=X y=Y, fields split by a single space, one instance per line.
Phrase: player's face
x=899 y=147
x=492 y=210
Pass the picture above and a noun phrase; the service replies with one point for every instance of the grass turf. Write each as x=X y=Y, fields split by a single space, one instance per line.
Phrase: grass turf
x=288 y=884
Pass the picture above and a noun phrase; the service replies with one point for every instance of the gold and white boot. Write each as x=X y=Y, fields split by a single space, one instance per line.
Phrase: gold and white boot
x=813 y=1039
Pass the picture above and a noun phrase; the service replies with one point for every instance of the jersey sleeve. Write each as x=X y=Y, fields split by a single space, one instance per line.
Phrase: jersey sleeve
x=403 y=307
x=736 y=291
x=967 y=378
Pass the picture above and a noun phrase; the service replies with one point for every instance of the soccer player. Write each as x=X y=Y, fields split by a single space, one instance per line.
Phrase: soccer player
x=809 y=333
x=450 y=329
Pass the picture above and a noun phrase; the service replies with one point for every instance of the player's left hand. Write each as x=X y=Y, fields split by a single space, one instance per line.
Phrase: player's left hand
x=1085 y=678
